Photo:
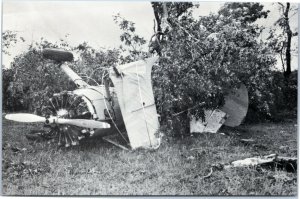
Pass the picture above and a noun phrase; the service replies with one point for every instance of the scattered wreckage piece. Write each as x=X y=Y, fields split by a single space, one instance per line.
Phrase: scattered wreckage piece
x=214 y=119
x=272 y=161
x=247 y=141
x=231 y=114
x=254 y=161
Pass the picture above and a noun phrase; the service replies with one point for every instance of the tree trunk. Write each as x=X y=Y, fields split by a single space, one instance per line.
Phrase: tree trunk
x=289 y=41
x=156 y=10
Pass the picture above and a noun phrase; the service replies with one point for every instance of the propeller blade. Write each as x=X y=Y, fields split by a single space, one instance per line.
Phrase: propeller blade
x=84 y=123
x=25 y=117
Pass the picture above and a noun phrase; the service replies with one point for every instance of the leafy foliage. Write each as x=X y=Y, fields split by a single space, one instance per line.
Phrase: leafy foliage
x=9 y=38
x=284 y=100
x=92 y=64
x=35 y=79
x=244 y=12
x=206 y=58
x=9 y=102
x=133 y=47
x=32 y=79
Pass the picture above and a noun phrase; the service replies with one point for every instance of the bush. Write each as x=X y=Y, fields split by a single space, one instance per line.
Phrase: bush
x=283 y=103
x=32 y=79
x=203 y=60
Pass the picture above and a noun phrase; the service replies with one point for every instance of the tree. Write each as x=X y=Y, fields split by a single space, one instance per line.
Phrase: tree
x=167 y=10
x=246 y=13
x=35 y=79
x=164 y=12
x=202 y=60
x=133 y=47
x=281 y=42
x=8 y=103
x=9 y=38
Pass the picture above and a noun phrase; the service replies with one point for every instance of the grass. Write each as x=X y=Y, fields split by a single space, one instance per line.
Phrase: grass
x=99 y=168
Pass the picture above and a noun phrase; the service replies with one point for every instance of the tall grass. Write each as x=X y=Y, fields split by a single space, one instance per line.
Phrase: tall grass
x=176 y=168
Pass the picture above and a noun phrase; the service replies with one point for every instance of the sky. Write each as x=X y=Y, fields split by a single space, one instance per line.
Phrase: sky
x=91 y=21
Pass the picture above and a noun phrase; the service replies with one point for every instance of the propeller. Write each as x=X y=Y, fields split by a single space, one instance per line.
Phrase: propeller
x=26 y=117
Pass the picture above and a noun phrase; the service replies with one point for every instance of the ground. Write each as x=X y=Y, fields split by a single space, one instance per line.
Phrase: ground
x=178 y=167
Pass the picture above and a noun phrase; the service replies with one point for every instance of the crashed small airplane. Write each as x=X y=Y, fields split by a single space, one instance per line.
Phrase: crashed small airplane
x=127 y=109
x=101 y=110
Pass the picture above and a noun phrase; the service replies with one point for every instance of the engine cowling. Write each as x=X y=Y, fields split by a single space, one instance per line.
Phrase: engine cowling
x=85 y=103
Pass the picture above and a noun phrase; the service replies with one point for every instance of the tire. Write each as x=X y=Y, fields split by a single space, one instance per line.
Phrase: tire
x=57 y=55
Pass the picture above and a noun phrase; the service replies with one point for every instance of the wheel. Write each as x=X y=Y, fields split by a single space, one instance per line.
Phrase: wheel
x=57 y=55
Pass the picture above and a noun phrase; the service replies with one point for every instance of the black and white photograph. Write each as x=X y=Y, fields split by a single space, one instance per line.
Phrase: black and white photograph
x=141 y=98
